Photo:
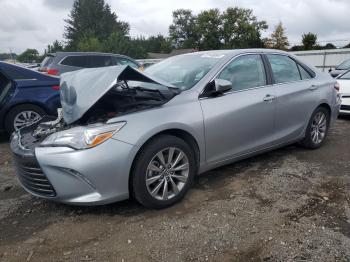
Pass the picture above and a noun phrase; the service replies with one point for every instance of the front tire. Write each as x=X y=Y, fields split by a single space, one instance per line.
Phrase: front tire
x=163 y=172
x=317 y=129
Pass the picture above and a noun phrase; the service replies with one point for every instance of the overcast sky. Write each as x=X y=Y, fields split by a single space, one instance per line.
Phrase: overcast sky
x=36 y=23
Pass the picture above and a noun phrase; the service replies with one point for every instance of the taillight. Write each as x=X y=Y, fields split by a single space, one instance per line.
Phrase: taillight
x=52 y=71
x=55 y=88
x=337 y=87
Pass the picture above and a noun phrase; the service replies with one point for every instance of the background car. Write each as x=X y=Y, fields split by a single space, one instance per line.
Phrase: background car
x=344 y=90
x=62 y=62
x=340 y=69
x=25 y=96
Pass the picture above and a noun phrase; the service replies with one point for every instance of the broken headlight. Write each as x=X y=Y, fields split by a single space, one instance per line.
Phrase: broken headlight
x=83 y=137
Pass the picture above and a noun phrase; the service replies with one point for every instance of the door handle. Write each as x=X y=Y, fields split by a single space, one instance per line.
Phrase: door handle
x=269 y=98
x=313 y=87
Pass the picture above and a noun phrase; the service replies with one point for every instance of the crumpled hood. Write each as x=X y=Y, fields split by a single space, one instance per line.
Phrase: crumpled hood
x=81 y=89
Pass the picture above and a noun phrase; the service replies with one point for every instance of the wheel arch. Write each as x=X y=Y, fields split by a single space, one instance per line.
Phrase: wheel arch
x=177 y=132
x=9 y=109
x=326 y=106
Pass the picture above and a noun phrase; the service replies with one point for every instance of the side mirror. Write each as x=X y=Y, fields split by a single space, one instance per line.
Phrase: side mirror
x=330 y=70
x=222 y=86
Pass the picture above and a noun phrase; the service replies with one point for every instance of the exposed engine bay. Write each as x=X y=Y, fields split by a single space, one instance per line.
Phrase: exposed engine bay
x=119 y=100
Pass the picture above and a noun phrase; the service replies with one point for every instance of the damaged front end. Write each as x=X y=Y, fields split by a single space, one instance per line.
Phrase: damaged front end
x=91 y=99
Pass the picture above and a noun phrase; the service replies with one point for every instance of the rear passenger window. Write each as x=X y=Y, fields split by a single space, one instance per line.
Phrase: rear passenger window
x=303 y=73
x=77 y=61
x=245 y=72
x=100 y=61
x=284 y=69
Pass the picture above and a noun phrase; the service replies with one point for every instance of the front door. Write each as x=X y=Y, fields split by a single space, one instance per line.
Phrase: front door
x=241 y=120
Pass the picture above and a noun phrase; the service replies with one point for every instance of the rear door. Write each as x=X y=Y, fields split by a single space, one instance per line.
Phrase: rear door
x=241 y=120
x=297 y=96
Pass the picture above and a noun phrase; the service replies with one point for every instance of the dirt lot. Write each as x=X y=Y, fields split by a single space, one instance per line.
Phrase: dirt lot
x=288 y=205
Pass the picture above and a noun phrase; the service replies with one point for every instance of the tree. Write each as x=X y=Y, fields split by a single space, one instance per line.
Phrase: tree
x=56 y=46
x=209 y=29
x=309 y=41
x=241 y=29
x=183 y=29
x=89 y=44
x=121 y=44
x=329 y=46
x=92 y=19
x=157 y=44
x=278 y=39
x=29 y=56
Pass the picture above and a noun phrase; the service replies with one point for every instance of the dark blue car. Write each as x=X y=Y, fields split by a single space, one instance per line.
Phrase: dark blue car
x=25 y=96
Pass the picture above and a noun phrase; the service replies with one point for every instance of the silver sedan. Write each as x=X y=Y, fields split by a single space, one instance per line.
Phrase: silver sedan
x=122 y=132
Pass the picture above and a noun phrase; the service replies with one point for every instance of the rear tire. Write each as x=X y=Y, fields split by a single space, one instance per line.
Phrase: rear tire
x=18 y=114
x=158 y=178
x=317 y=129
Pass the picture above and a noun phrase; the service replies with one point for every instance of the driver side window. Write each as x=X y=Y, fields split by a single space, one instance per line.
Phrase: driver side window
x=245 y=72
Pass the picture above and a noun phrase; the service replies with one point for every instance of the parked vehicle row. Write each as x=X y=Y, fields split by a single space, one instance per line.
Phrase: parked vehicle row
x=123 y=132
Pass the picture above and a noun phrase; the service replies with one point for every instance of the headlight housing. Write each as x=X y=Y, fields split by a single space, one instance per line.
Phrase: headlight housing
x=83 y=137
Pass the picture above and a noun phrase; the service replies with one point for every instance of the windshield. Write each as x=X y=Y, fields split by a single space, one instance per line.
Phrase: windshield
x=186 y=70
x=345 y=65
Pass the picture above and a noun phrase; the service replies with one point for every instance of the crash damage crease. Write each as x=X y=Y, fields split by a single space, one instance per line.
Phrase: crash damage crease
x=92 y=96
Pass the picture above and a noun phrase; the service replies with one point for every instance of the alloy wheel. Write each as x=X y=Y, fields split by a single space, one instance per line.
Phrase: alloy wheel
x=25 y=118
x=319 y=127
x=167 y=173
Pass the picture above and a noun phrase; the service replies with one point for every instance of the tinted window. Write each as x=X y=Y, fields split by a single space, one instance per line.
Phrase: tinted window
x=47 y=61
x=245 y=72
x=303 y=73
x=124 y=61
x=78 y=61
x=100 y=61
x=345 y=76
x=284 y=69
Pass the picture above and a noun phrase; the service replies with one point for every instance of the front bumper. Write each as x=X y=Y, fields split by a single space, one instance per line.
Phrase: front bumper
x=95 y=176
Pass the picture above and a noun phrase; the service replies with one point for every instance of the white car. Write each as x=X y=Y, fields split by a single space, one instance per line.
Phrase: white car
x=344 y=90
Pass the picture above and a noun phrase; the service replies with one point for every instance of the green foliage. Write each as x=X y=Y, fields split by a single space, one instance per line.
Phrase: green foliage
x=29 y=56
x=210 y=29
x=91 y=19
x=241 y=29
x=89 y=44
x=309 y=41
x=329 y=46
x=278 y=39
x=55 y=47
x=183 y=30
x=5 y=56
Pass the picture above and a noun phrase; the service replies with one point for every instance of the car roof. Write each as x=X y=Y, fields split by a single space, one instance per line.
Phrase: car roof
x=83 y=53
x=236 y=52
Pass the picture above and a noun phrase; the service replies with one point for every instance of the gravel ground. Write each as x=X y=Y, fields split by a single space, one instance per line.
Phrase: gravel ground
x=291 y=204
